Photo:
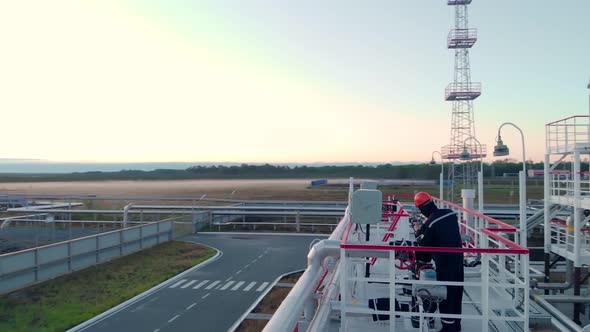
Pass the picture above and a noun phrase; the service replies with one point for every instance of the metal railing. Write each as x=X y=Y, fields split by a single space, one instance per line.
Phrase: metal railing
x=564 y=135
x=461 y=38
x=337 y=283
x=463 y=91
x=29 y=266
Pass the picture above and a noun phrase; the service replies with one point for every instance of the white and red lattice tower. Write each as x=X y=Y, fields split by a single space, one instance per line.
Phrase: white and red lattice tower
x=463 y=148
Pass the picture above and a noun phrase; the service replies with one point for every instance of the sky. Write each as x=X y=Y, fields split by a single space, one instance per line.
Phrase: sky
x=278 y=81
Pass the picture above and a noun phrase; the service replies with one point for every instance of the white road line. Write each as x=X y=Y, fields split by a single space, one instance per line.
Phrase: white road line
x=249 y=286
x=173 y=318
x=247 y=265
x=263 y=286
x=190 y=306
x=188 y=283
x=239 y=271
x=205 y=296
x=228 y=279
x=254 y=261
x=226 y=286
x=260 y=256
x=178 y=283
x=201 y=284
x=157 y=330
x=213 y=284
x=238 y=285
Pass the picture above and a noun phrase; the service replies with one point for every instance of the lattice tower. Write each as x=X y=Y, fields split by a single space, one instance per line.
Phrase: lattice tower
x=462 y=150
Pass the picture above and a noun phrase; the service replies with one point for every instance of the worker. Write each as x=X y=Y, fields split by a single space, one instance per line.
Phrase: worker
x=441 y=229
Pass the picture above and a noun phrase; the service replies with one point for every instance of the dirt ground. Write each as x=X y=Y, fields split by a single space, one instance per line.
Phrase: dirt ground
x=287 y=189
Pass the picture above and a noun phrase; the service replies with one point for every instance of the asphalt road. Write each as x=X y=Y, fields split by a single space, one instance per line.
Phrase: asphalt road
x=214 y=297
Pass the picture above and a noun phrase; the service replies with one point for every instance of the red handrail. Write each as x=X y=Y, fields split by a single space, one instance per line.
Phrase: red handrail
x=513 y=248
x=503 y=226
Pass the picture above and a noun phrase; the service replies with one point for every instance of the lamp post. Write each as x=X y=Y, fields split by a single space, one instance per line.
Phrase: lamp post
x=465 y=154
x=442 y=172
x=502 y=150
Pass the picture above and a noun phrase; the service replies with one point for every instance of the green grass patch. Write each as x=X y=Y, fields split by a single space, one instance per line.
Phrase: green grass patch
x=64 y=302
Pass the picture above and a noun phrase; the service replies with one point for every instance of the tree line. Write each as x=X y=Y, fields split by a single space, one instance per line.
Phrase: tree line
x=246 y=171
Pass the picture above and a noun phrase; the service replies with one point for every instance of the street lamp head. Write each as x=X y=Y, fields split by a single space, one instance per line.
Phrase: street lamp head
x=501 y=149
x=465 y=155
x=432 y=162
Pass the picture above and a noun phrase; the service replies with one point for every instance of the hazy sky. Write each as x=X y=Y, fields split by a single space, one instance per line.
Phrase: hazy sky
x=277 y=81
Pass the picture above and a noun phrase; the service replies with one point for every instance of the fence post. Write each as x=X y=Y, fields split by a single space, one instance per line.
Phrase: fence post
x=485 y=291
x=36 y=264
x=97 y=249
x=298 y=221
x=158 y=233
x=141 y=236
x=121 y=239
x=70 y=255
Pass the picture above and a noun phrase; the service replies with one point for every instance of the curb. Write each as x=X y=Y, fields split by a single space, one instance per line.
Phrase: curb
x=259 y=299
x=96 y=319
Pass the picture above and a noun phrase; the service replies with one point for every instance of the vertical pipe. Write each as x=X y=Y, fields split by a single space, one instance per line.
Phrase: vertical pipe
x=546 y=222
x=343 y=289
x=468 y=196
x=522 y=208
x=526 y=291
x=577 y=210
x=577 y=306
x=485 y=290
x=391 y=291
x=480 y=192
x=440 y=189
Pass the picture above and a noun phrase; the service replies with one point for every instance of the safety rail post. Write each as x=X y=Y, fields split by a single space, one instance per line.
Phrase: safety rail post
x=391 y=291
x=343 y=289
x=577 y=209
x=526 y=291
x=485 y=290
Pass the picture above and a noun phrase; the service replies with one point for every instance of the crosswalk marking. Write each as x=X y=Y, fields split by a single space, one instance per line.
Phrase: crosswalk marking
x=212 y=284
x=201 y=284
x=188 y=283
x=263 y=286
x=178 y=283
x=226 y=286
x=238 y=285
x=247 y=288
x=233 y=285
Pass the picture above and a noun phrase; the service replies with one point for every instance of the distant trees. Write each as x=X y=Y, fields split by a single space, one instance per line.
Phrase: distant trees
x=246 y=171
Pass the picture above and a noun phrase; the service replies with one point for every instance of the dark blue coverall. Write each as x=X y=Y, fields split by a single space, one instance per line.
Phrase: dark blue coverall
x=442 y=230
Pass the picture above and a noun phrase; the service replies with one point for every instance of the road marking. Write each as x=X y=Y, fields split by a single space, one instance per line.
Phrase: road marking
x=173 y=318
x=178 y=283
x=226 y=286
x=201 y=284
x=239 y=271
x=249 y=286
x=213 y=284
x=157 y=330
x=205 y=296
x=188 y=283
x=247 y=265
x=263 y=286
x=260 y=256
x=254 y=261
x=228 y=279
x=238 y=285
x=190 y=306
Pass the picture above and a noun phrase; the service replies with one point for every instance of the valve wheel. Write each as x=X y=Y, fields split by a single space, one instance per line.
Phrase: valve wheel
x=407 y=260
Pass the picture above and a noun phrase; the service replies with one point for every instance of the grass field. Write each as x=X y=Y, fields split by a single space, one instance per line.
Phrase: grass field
x=496 y=190
x=64 y=302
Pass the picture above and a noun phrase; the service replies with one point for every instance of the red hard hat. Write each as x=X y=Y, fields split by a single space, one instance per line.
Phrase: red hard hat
x=421 y=198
